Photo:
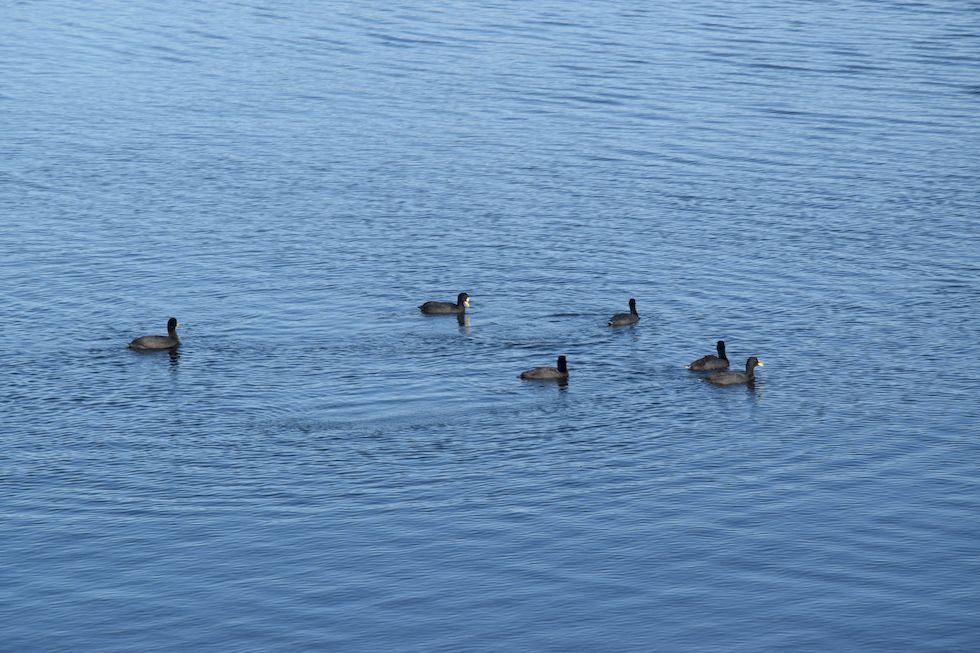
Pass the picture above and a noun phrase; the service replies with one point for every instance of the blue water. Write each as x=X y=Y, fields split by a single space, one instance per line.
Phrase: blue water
x=322 y=468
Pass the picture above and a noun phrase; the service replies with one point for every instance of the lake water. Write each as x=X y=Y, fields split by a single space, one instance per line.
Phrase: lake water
x=323 y=468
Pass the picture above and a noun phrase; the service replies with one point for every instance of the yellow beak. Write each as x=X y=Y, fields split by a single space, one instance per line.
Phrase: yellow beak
x=466 y=303
x=761 y=364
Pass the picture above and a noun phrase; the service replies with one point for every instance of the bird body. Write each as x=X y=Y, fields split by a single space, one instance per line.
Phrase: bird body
x=559 y=373
x=168 y=341
x=732 y=378
x=710 y=362
x=624 y=319
x=446 y=308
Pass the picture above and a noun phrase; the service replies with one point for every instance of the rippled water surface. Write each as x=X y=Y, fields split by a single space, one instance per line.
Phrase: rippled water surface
x=321 y=467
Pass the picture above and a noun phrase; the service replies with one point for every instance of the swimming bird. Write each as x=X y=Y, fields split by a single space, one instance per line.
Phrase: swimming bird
x=731 y=378
x=168 y=341
x=435 y=308
x=559 y=373
x=622 y=319
x=709 y=362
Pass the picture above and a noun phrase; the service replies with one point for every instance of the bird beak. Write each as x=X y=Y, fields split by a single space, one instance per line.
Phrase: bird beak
x=761 y=364
x=466 y=302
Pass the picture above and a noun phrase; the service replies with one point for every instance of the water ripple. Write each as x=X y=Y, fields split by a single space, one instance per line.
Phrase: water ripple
x=320 y=466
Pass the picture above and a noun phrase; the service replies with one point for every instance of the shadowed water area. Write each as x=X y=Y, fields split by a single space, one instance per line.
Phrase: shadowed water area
x=322 y=467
